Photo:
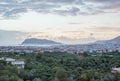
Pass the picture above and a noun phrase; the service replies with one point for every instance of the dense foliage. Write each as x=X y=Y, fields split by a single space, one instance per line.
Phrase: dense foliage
x=58 y=66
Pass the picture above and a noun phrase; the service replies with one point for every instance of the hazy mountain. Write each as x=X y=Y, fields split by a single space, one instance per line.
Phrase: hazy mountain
x=115 y=40
x=35 y=41
x=99 y=45
x=112 y=41
x=11 y=37
x=17 y=37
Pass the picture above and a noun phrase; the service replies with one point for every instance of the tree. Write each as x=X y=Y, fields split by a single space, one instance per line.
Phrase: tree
x=14 y=78
x=61 y=74
x=109 y=77
x=4 y=78
x=39 y=56
x=37 y=79
x=84 y=77
x=2 y=64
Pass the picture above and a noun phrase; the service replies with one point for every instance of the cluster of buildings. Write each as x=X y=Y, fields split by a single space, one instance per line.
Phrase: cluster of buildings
x=18 y=63
x=74 y=49
x=7 y=49
x=31 y=49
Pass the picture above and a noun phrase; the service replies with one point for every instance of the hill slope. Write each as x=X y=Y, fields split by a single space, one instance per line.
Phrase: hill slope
x=34 y=41
x=112 y=41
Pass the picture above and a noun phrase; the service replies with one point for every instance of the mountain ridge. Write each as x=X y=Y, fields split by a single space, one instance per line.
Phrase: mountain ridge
x=115 y=40
x=35 y=41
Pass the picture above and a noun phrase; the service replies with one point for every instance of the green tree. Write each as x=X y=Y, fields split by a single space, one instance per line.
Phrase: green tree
x=14 y=78
x=84 y=77
x=37 y=79
x=39 y=56
x=61 y=74
x=4 y=78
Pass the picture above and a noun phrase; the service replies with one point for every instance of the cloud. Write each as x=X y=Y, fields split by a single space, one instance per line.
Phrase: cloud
x=13 y=13
x=68 y=40
x=74 y=23
x=106 y=4
x=72 y=11
x=14 y=8
x=105 y=29
x=62 y=1
x=117 y=8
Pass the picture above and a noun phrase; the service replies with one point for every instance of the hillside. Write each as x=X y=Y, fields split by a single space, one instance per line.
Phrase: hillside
x=35 y=41
x=112 y=41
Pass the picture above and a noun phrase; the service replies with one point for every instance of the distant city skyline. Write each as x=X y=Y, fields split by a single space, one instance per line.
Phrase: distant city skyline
x=72 y=21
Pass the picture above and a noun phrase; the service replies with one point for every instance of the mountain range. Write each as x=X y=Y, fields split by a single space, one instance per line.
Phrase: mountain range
x=9 y=38
x=35 y=41
x=18 y=38
x=112 y=41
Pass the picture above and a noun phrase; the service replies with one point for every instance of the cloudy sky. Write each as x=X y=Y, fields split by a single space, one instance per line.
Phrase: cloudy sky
x=76 y=21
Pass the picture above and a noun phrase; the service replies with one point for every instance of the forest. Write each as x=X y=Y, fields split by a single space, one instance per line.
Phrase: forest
x=60 y=66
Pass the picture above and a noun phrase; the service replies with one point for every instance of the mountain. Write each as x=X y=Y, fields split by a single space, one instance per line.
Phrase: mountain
x=8 y=37
x=100 y=45
x=115 y=40
x=11 y=37
x=35 y=41
x=112 y=41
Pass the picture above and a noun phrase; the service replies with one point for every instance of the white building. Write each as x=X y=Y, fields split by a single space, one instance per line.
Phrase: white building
x=18 y=64
x=115 y=70
x=9 y=59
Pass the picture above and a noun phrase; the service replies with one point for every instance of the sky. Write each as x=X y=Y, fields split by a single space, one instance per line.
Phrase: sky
x=67 y=21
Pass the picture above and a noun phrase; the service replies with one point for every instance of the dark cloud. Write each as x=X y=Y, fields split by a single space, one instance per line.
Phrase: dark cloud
x=13 y=8
x=61 y=1
x=106 y=4
x=8 y=1
x=103 y=1
x=13 y=13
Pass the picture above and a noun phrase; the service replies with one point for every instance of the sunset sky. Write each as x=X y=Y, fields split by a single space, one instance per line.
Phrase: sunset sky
x=73 y=20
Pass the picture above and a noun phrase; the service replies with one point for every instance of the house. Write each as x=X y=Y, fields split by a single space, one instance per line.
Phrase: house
x=18 y=64
x=115 y=70
x=8 y=60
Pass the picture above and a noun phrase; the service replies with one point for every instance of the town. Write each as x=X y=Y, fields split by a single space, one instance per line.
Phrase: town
x=74 y=49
